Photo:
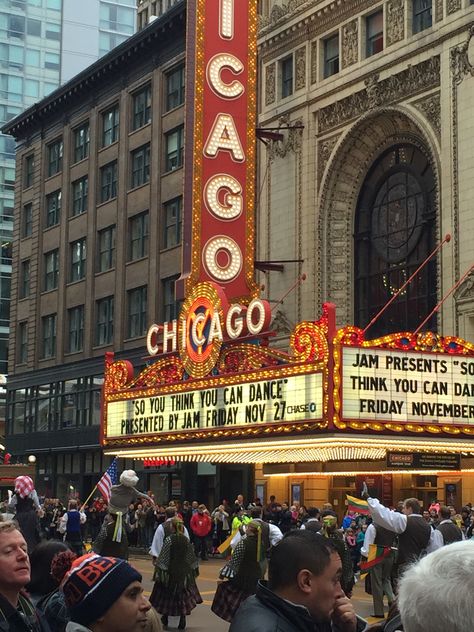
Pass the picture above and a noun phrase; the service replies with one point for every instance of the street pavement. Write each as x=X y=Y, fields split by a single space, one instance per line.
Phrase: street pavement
x=202 y=619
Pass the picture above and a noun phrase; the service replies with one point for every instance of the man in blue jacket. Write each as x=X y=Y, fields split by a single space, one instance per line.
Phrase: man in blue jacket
x=303 y=593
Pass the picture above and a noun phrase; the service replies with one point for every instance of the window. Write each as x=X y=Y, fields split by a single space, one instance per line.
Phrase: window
x=55 y=157
x=137 y=312
x=140 y=166
x=171 y=306
x=108 y=181
x=141 y=107
x=175 y=88
x=32 y=57
x=174 y=148
x=53 y=208
x=172 y=222
x=106 y=249
x=105 y=320
x=51 y=270
x=11 y=87
x=76 y=329
x=331 y=56
x=286 y=72
x=49 y=335
x=374 y=33
x=53 y=31
x=116 y=18
x=16 y=26
x=81 y=142
x=395 y=230
x=6 y=253
x=138 y=231
x=422 y=15
x=25 y=278
x=32 y=88
x=51 y=61
x=22 y=342
x=110 y=126
x=80 y=190
x=33 y=27
x=78 y=260
x=27 y=220
x=29 y=166
x=107 y=41
x=11 y=55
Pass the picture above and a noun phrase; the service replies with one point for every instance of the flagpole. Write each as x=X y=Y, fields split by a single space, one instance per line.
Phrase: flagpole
x=95 y=486
x=88 y=498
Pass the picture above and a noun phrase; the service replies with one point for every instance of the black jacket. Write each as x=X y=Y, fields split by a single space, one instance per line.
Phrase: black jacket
x=267 y=612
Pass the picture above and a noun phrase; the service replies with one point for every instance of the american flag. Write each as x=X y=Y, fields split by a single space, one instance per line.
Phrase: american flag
x=109 y=478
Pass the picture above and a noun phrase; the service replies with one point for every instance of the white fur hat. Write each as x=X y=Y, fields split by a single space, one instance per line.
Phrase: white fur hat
x=128 y=478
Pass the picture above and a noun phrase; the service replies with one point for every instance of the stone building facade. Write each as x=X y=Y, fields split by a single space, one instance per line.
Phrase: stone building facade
x=375 y=162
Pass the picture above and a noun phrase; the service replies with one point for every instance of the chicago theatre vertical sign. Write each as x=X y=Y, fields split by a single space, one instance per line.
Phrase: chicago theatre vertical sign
x=218 y=244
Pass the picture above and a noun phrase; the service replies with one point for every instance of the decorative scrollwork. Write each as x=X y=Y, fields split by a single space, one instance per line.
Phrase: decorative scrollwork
x=118 y=375
x=248 y=357
x=166 y=371
x=309 y=340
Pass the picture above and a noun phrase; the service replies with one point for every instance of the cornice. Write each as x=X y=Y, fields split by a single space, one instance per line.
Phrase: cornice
x=285 y=32
x=355 y=80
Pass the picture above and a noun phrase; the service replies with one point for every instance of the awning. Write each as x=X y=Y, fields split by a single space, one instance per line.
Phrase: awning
x=310 y=449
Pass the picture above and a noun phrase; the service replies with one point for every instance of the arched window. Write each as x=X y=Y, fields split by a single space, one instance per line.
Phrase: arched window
x=394 y=232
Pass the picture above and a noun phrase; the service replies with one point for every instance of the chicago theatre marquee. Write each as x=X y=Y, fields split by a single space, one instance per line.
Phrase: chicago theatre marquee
x=312 y=421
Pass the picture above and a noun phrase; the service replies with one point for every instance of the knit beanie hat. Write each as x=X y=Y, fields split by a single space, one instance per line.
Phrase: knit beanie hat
x=94 y=584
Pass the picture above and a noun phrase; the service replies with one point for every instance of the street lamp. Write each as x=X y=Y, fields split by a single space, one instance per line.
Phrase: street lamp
x=32 y=459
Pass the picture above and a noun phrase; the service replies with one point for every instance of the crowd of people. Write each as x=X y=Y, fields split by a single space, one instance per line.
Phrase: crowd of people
x=311 y=563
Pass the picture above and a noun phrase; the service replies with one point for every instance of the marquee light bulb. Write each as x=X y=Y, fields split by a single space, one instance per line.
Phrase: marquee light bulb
x=210 y=253
x=226 y=10
x=224 y=136
x=215 y=67
x=233 y=199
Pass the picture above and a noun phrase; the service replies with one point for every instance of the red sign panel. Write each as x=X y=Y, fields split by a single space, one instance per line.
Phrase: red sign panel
x=220 y=147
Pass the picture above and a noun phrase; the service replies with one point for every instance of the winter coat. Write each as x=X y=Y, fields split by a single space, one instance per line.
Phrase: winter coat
x=267 y=612
x=201 y=524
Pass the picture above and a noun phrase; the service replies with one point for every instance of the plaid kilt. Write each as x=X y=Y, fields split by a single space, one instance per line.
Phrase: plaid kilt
x=175 y=604
x=227 y=600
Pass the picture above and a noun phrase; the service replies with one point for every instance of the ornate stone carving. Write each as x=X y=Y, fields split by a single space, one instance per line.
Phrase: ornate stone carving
x=291 y=142
x=439 y=10
x=300 y=68
x=461 y=67
x=452 y=6
x=374 y=95
x=460 y=64
x=276 y=14
x=314 y=61
x=465 y=293
x=281 y=324
x=325 y=149
x=414 y=79
x=350 y=44
x=270 y=84
x=430 y=107
x=395 y=21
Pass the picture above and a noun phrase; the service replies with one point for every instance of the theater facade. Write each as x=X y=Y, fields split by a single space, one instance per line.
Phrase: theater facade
x=282 y=363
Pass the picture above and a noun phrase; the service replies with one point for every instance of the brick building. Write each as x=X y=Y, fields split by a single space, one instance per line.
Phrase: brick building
x=96 y=246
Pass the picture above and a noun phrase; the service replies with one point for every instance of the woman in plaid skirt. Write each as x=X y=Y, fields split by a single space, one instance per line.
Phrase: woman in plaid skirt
x=175 y=592
x=241 y=574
